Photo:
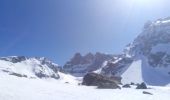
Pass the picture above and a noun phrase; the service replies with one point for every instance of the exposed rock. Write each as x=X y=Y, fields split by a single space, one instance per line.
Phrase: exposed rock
x=145 y=92
x=108 y=85
x=32 y=77
x=153 y=44
x=141 y=86
x=18 y=75
x=132 y=83
x=50 y=64
x=14 y=59
x=169 y=73
x=81 y=65
x=116 y=66
x=43 y=75
x=93 y=79
x=5 y=71
x=67 y=82
x=55 y=76
x=152 y=47
x=126 y=86
x=79 y=84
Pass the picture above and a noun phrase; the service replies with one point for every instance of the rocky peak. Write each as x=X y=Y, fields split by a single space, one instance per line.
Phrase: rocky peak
x=153 y=34
x=79 y=59
x=82 y=64
x=153 y=43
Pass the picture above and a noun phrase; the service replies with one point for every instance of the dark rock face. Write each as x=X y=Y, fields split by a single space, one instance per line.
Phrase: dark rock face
x=93 y=79
x=141 y=86
x=159 y=59
x=132 y=83
x=116 y=66
x=55 y=76
x=154 y=34
x=145 y=92
x=18 y=75
x=126 y=86
x=108 y=85
x=50 y=64
x=42 y=75
x=80 y=65
x=14 y=59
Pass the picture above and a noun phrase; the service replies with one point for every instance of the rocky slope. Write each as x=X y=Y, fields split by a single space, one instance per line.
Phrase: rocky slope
x=116 y=66
x=153 y=43
x=80 y=65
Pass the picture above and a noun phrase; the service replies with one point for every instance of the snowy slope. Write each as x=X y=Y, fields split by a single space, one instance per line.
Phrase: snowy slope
x=14 y=88
x=140 y=71
x=29 y=67
x=154 y=76
x=133 y=73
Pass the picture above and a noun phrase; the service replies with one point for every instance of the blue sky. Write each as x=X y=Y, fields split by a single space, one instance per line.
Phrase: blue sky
x=57 y=29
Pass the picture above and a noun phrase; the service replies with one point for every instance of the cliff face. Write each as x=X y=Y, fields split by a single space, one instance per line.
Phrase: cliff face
x=80 y=65
x=147 y=58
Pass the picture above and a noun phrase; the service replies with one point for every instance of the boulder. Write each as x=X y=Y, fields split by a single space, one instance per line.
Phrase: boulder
x=93 y=79
x=108 y=85
x=67 y=82
x=141 y=86
x=132 y=83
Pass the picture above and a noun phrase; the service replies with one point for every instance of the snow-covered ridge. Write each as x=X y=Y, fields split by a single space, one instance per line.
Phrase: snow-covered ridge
x=29 y=67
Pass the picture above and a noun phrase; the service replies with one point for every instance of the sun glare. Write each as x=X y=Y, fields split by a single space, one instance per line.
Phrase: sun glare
x=147 y=3
x=143 y=2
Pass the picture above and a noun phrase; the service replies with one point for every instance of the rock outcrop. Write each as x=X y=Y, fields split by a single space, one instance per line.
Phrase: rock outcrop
x=93 y=79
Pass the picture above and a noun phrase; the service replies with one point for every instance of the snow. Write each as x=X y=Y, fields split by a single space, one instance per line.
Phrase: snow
x=28 y=67
x=100 y=69
x=140 y=71
x=14 y=88
x=162 y=22
x=133 y=73
x=155 y=76
x=18 y=67
x=68 y=78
